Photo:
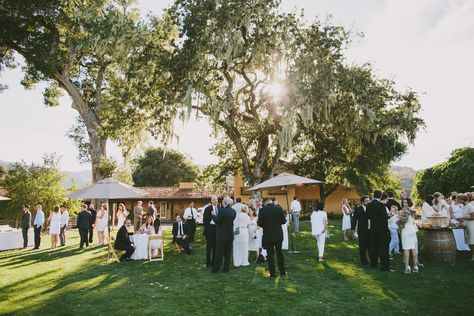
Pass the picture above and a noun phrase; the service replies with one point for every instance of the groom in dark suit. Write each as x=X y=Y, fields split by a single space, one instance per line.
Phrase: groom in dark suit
x=379 y=232
x=270 y=218
x=224 y=220
x=360 y=222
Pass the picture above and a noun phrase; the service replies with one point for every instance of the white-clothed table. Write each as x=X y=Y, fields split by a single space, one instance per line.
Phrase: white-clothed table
x=13 y=239
x=141 y=244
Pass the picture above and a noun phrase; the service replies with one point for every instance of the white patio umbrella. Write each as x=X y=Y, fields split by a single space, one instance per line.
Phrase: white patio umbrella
x=283 y=181
x=2 y=198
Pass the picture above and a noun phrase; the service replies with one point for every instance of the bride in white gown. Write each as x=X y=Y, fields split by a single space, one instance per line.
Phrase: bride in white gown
x=241 y=240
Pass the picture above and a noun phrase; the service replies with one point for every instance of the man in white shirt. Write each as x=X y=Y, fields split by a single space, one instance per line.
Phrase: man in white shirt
x=38 y=224
x=238 y=205
x=64 y=223
x=190 y=214
x=296 y=210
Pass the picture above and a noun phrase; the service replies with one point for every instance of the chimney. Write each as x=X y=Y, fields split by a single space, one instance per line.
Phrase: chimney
x=187 y=185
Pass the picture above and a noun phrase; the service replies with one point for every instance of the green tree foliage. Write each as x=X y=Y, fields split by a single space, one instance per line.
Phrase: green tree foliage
x=455 y=174
x=30 y=184
x=103 y=56
x=356 y=145
x=213 y=179
x=163 y=168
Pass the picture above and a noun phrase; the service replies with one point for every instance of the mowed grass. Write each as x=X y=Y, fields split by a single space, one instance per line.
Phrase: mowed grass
x=69 y=281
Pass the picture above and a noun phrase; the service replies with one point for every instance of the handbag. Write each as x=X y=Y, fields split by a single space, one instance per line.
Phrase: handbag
x=236 y=231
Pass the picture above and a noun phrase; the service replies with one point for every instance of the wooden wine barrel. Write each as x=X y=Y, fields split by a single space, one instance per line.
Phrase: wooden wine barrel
x=440 y=245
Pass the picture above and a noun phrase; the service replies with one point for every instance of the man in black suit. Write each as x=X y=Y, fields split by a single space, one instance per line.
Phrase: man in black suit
x=210 y=232
x=224 y=220
x=391 y=201
x=123 y=242
x=379 y=232
x=83 y=224
x=180 y=234
x=360 y=222
x=25 y=224
x=270 y=218
x=93 y=213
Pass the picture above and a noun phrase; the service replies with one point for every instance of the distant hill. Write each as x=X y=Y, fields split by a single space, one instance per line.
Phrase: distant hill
x=406 y=175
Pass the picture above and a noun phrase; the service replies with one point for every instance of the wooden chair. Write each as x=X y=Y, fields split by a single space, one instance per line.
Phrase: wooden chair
x=112 y=254
x=161 y=253
x=177 y=248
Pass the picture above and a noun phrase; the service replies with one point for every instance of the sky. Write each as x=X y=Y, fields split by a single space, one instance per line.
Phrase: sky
x=426 y=45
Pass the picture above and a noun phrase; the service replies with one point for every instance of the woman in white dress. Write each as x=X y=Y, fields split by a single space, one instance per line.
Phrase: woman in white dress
x=468 y=211
x=409 y=229
x=241 y=239
x=284 y=227
x=427 y=208
x=253 y=242
x=457 y=216
x=101 y=222
x=122 y=214
x=346 y=218
x=319 y=226
x=54 y=226
x=152 y=228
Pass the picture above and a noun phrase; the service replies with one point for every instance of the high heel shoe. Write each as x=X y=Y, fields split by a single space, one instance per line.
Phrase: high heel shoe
x=407 y=270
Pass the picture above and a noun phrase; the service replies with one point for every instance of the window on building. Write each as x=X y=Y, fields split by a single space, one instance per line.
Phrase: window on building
x=308 y=205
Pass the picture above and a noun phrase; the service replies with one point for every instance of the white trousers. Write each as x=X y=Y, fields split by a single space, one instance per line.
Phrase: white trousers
x=321 y=239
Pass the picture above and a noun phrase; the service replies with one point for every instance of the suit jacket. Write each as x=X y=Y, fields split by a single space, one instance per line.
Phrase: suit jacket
x=84 y=220
x=206 y=220
x=225 y=223
x=26 y=220
x=392 y=202
x=93 y=215
x=175 y=230
x=359 y=219
x=122 y=241
x=270 y=218
x=377 y=215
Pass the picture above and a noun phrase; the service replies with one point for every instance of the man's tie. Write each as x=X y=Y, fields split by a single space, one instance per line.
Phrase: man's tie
x=181 y=228
x=192 y=213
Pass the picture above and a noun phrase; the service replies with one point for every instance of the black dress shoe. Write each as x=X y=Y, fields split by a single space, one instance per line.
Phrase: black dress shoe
x=36 y=248
x=272 y=275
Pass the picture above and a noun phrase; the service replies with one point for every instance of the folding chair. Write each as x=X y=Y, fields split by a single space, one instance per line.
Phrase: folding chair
x=177 y=248
x=112 y=254
x=161 y=253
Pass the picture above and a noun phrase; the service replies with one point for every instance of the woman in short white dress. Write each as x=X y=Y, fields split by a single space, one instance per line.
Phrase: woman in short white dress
x=284 y=227
x=122 y=214
x=253 y=242
x=241 y=239
x=468 y=209
x=409 y=229
x=346 y=218
x=319 y=226
x=101 y=222
x=455 y=209
x=54 y=226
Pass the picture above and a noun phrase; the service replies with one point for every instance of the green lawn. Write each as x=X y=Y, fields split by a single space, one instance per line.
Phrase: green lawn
x=68 y=281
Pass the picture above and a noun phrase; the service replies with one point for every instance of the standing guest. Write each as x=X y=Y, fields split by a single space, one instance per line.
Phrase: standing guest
x=393 y=228
x=457 y=215
x=84 y=220
x=101 y=223
x=361 y=224
x=122 y=241
x=64 y=223
x=180 y=234
x=409 y=240
x=25 y=224
x=137 y=215
x=210 y=232
x=379 y=233
x=296 y=210
x=224 y=220
x=54 y=226
x=468 y=212
x=238 y=205
x=427 y=208
x=284 y=227
x=93 y=213
x=319 y=226
x=253 y=244
x=271 y=218
x=392 y=202
x=190 y=214
x=346 y=218
x=151 y=211
x=442 y=205
x=258 y=205
x=122 y=214
x=403 y=195
x=38 y=224
x=241 y=238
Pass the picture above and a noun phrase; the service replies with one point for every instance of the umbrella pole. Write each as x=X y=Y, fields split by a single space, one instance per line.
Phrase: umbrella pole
x=108 y=229
x=292 y=240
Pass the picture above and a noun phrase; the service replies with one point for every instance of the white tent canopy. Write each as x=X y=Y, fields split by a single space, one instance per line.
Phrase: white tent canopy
x=108 y=189
x=284 y=180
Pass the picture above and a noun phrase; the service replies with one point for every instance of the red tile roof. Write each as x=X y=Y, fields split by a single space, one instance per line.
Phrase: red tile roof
x=175 y=193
